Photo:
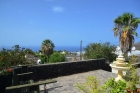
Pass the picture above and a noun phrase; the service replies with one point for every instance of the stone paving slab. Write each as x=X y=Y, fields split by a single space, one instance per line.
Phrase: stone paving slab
x=66 y=84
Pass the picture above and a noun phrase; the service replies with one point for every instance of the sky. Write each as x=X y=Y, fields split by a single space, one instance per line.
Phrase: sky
x=64 y=22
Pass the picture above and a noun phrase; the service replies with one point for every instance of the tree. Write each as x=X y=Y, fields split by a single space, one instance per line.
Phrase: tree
x=47 y=47
x=125 y=28
x=57 y=57
x=100 y=50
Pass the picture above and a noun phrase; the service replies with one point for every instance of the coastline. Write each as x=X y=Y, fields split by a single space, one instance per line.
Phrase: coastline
x=57 y=48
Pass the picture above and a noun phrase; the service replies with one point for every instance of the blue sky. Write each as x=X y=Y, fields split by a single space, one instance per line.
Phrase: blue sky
x=65 y=22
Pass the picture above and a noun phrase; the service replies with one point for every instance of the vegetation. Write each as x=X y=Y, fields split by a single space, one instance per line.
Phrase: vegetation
x=47 y=48
x=12 y=57
x=91 y=85
x=132 y=76
x=43 y=58
x=112 y=86
x=128 y=85
x=100 y=50
x=125 y=27
x=29 y=51
x=57 y=57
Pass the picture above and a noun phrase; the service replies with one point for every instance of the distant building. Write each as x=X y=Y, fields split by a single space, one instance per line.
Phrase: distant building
x=133 y=52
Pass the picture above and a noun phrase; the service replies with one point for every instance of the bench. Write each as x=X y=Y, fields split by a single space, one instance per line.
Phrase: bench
x=23 y=78
x=24 y=73
x=30 y=87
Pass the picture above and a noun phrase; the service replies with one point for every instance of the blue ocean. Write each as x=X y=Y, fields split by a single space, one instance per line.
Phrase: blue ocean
x=57 y=48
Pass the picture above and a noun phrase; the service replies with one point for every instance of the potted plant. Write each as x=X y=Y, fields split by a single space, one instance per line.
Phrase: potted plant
x=131 y=87
x=132 y=79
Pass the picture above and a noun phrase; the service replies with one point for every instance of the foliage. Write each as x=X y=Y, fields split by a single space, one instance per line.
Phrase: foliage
x=57 y=57
x=29 y=51
x=112 y=86
x=43 y=58
x=6 y=71
x=132 y=76
x=47 y=47
x=100 y=50
x=90 y=86
x=125 y=28
x=11 y=57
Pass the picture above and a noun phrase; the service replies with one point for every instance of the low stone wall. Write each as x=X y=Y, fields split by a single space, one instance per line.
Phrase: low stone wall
x=47 y=71
x=67 y=68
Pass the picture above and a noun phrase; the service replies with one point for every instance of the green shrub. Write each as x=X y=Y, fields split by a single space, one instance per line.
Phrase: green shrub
x=57 y=57
x=112 y=86
x=43 y=58
x=92 y=85
x=13 y=56
x=100 y=50
x=132 y=77
x=29 y=51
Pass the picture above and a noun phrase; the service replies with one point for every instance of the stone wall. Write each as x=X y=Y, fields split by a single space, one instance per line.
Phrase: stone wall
x=67 y=68
x=47 y=71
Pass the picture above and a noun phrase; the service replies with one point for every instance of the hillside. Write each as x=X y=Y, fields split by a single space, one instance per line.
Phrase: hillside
x=137 y=45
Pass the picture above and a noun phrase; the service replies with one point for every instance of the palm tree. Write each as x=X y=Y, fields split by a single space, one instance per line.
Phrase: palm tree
x=47 y=47
x=125 y=27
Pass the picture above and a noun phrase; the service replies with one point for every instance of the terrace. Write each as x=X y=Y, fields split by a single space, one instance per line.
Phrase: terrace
x=67 y=74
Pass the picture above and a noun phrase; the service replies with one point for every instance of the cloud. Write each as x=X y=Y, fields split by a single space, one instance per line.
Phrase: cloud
x=58 y=9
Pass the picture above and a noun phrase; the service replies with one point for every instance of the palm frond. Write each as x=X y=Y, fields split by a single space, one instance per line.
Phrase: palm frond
x=135 y=33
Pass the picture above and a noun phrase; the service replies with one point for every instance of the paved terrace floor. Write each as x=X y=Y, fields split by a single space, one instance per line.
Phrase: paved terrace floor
x=66 y=84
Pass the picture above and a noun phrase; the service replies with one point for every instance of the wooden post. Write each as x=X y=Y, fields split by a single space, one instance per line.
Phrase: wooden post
x=81 y=50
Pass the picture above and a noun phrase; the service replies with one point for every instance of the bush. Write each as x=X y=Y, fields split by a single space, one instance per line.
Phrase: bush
x=100 y=50
x=13 y=56
x=91 y=85
x=29 y=51
x=43 y=58
x=112 y=86
x=132 y=77
x=57 y=57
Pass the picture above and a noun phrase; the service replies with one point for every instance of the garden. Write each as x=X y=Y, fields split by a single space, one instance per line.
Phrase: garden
x=129 y=84
x=125 y=27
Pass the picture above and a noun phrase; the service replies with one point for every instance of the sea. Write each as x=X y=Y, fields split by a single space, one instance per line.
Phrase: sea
x=57 y=48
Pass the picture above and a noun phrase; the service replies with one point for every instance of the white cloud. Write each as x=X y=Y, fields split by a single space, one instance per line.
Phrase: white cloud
x=58 y=9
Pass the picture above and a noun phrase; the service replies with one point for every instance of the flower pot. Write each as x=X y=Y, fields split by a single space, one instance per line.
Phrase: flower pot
x=135 y=91
x=131 y=91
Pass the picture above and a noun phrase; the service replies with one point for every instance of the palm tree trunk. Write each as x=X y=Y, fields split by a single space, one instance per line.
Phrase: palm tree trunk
x=48 y=59
x=126 y=56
